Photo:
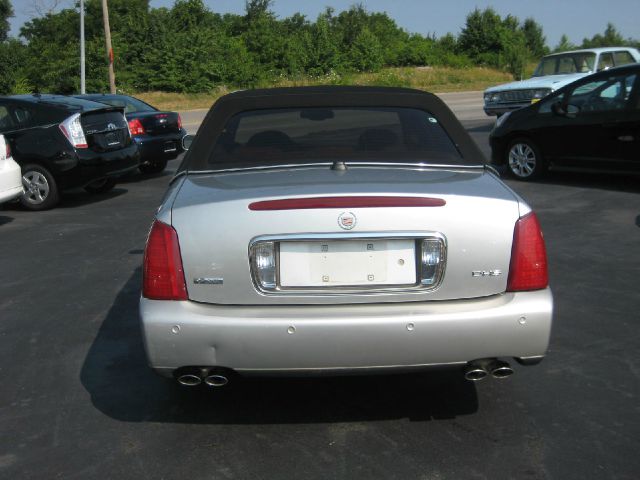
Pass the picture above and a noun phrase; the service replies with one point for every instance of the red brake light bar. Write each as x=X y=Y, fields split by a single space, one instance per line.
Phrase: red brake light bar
x=345 y=202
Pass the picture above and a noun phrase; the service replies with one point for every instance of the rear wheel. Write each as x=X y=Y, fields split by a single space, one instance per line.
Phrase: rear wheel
x=155 y=166
x=525 y=160
x=40 y=188
x=101 y=186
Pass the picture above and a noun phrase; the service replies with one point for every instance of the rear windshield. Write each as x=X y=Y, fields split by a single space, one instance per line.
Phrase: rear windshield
x=71 y=103
x=280 y=136
x=129 y=104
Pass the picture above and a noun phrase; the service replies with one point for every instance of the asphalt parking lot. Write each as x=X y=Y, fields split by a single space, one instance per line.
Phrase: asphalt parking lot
x=77 y=400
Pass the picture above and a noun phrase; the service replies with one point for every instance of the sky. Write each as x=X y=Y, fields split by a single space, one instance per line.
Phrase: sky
x=577 y=18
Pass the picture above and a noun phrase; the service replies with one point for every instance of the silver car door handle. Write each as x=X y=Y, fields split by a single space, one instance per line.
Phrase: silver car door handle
x=626 y=138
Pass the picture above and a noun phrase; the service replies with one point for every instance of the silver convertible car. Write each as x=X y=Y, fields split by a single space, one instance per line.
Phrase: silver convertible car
x=340 y=230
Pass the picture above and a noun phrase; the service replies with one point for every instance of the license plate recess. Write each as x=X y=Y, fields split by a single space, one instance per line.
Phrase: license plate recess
x=347 y=263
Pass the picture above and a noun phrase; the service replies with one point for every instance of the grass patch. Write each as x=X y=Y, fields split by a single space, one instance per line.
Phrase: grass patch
x=181 y=101
x=432 y=79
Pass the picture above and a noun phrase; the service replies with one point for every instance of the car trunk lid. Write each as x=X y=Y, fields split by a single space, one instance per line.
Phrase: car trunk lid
x=105 y=129
x=157 y=123
x=472 y=212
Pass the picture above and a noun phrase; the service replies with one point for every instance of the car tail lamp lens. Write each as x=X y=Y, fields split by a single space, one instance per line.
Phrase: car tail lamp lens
x=163 y=275
x=432 y=261
x=72 y=129
x=263 y=260
x=528 y=268
x=179 y=122
x=135 y=127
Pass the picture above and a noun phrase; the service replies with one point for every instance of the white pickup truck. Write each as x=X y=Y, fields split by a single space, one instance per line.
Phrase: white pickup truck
x=553 y=72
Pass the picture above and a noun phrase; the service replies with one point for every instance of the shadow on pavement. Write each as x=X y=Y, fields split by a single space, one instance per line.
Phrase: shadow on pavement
x=123 y=387
x=80 y=198
x=596 y=181
x=599 y=180
x=4 y=220
x=141 y=177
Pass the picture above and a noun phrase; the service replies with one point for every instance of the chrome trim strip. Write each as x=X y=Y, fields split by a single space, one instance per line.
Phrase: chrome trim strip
x=418 y=287
x=208 y=281
x=349 y=164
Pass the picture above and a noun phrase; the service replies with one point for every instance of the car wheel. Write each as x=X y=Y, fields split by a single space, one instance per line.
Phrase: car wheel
x=40 y=188
x=524 y=160
x=153 y=167
x=101 y=186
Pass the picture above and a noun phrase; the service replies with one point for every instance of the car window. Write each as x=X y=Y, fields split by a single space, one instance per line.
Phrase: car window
x=70 y=103
x=114 y=102
x=279 y=136
x=6 y=122
x=581 y=62
x=607 y=94
x=129 y=104
x=546 y=67
x=585 y=89
x=566 y=65
x=623 y=58
x=23 y=117
x=135 y=105
x=606 y=61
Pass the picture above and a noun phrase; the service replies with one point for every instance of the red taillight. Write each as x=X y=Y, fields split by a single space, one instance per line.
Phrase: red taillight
x=8 y=149
x=163 y=276
x=528 y=268
x=179 y=122
x=135 y=127
x=72 y=129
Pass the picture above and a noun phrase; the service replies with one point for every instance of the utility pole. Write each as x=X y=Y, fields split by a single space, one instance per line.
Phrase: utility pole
x=83 y=88
x=107 y=38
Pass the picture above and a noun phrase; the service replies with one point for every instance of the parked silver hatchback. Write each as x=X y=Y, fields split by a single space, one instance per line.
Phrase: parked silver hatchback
x=340 y=229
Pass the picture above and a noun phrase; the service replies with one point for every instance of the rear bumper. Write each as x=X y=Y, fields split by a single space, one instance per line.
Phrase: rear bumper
x=161 y=147
x=96 y=166
x=258 y=339
x=10 y=181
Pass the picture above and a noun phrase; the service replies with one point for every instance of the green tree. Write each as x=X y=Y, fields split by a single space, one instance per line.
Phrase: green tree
x=365 y=54
x=534 y=37
x=324 y=56
x=53 y=64
x=481 y=36
x=564 y=44
x=12 y=58
x=515 y=54
x=6 y=12
x=609 y=38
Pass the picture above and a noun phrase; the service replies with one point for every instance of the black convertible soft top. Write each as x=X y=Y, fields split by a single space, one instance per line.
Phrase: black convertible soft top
x=201 y=150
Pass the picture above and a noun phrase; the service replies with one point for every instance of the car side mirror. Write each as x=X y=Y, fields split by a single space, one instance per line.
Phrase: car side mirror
x=187 y=140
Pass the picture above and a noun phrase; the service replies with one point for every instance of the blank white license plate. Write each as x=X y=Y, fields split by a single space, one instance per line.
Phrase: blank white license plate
x=337 y=263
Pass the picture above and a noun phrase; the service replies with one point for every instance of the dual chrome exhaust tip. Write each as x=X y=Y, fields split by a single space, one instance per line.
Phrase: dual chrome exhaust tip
x=479 y=369
x=196 y=376
x=474 y=371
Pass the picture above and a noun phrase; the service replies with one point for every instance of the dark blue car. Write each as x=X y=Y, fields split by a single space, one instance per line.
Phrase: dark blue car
x=158 y=134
